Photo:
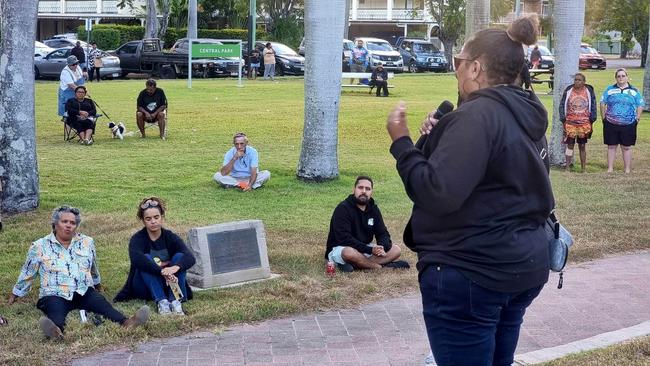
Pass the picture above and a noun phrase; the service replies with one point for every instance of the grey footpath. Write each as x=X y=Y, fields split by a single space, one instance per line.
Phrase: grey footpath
x=599 y=300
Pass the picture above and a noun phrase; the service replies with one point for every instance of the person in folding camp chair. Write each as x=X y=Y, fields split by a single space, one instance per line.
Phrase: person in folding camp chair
x=81 y=115
x=71 y=77
x=152 y=108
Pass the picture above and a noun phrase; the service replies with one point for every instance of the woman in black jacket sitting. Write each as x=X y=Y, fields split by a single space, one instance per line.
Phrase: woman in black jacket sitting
x=81 y=115
x=159 y=261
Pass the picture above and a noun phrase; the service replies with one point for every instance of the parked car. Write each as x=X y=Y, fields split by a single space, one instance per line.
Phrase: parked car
x=287 y=61
x=347 y=52
x=590 y=58
x=419 y=55
x=51 y=65
x=223 y=66
x=72 y=36
x=380 y=50
x=41 y=49
x=64 y=42
x=547 y=62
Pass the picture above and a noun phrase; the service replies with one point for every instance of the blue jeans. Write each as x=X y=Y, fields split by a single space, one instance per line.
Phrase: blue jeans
x=57 y=308
x=468 y=324
x=156 y=285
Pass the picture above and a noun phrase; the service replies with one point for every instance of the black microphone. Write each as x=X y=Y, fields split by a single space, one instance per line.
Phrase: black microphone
x=444 y=108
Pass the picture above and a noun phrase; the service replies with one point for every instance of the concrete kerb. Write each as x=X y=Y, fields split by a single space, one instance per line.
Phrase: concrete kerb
x=599 y=341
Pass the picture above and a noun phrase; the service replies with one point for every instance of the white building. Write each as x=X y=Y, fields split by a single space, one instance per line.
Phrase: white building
x=63 y=16
x=389 y=19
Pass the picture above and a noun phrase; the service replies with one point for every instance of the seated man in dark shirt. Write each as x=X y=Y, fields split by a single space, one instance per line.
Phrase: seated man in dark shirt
x=379 y=79
x=354 y=223
x=152 y=108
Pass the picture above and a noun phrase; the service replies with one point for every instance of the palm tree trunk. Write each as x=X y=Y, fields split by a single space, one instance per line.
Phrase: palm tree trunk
x=477 y=16
x=646 y=77
x=18 y=165
x=323 y=47
x=568 y=25
x=152 y=20
x=164 y=22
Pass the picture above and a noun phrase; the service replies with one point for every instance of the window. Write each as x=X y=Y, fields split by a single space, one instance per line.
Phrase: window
x=62 y=53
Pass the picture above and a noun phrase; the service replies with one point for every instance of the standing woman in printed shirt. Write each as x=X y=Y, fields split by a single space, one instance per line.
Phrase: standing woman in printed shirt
x=620 y=108
x=94 y=62
x=577 y=113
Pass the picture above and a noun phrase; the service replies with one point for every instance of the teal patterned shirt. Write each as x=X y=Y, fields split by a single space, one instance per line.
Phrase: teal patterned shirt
x=61 y=271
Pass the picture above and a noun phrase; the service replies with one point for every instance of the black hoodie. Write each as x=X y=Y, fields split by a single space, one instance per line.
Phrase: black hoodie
x=352 y=227
x=481 y=190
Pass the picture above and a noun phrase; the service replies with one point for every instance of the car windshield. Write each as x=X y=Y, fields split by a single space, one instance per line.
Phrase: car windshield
x=424 y=48
x=378 y=46
x=281 y=49
x=588 y=50
x=348 y=46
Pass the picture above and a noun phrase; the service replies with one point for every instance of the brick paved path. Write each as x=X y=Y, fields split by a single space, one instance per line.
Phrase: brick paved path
x=597 y=297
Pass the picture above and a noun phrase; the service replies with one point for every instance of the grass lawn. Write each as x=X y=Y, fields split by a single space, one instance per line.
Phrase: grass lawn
x=607 y=213
x=633 y=353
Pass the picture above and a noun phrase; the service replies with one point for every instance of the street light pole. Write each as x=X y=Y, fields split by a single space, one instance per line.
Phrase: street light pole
x=252 y=18
x=191 y=20
x=517 y=8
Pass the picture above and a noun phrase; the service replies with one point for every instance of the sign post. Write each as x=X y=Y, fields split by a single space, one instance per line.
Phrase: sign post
x=228 y=48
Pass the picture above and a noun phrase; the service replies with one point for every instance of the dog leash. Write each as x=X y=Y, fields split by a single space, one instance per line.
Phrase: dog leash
x=98 y=106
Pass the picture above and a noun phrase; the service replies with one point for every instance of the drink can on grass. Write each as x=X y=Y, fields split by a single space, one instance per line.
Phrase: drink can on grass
x=331 y=269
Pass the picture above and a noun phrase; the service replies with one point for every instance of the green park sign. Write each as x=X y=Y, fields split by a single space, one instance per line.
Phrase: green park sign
x=215 y=50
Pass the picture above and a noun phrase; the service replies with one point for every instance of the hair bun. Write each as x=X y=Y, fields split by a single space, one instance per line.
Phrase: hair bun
x=524 y=30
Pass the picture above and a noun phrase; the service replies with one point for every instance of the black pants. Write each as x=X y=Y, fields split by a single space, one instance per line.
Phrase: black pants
x=57 y=308
x=381 y=84
x=92 y=72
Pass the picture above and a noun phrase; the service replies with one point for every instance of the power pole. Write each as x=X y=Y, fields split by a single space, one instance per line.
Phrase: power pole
x=192 y=31
x=252 y=25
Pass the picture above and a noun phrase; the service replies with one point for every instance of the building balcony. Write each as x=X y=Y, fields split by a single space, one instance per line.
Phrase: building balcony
x=396 y=14
x=77 y=7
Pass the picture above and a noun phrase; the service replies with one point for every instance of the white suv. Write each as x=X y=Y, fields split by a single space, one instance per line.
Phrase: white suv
x=380 y=50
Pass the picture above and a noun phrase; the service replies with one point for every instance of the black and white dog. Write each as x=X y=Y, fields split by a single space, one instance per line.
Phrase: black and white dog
x=117 y=130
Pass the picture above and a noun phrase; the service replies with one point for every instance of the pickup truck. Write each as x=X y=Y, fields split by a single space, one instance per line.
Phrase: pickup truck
x=420 y=55
x=146 y=56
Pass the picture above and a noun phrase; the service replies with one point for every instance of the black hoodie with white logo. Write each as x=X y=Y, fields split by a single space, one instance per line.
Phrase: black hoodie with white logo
x=481 y=191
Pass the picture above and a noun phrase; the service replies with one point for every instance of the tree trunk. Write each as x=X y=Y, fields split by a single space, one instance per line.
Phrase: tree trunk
x=152 y=20
x=164 y=22
x=323 y=33
x=477 y=16
x=646 y=77
x=18 y=166
x=569 y=16
x=449 y=52
x=346 y=26
x=192 y=31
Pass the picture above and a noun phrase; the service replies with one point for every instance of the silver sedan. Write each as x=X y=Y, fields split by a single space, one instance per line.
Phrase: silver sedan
x=50 y=66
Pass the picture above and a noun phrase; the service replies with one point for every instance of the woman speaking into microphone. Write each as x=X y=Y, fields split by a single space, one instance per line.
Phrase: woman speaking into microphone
x=481 y=194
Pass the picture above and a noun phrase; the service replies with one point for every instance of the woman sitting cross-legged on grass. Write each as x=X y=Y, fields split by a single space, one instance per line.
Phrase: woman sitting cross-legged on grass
x=66 y=265
x=159 y=261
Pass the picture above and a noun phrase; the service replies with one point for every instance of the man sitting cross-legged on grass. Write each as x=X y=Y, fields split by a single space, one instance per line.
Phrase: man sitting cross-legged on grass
x=66 y=264
x=354 y=223
x=152 y=108
x=239 y=167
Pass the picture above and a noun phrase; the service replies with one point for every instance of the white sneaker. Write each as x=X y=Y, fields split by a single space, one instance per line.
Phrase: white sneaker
x=429 y=361
x=177 y=308
x=163 y=307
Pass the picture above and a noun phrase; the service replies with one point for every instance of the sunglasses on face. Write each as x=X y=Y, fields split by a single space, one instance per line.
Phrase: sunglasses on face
x=73 y=210
x=148 y=204
x=459 y=60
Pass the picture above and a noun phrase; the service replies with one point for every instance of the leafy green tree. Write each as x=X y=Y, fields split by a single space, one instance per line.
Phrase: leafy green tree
x=225 y=13
x=630 y=17
x=450 y=15
x=501 y=8
x=285 y=17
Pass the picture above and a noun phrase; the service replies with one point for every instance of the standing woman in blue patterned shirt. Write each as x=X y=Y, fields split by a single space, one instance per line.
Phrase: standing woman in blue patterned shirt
x=620 y=108
x=66 y=264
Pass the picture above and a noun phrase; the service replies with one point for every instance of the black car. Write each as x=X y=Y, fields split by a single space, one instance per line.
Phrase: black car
x=287 y=61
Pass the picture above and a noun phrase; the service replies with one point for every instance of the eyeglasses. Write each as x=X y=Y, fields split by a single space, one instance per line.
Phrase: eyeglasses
x=73 y=210
x=149 y=204
x=458 y=60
